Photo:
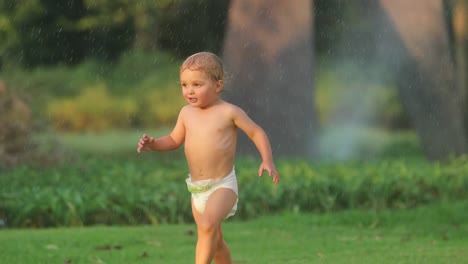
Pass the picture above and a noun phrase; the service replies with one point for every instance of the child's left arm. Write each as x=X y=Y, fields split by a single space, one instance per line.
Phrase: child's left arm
x=261 y=141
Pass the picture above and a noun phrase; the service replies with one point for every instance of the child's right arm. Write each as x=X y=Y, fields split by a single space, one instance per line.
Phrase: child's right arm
x=260 y=139
x=163 y=143
x=169 y=142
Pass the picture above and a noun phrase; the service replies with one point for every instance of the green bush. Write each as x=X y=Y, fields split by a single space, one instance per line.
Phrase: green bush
x=148 y=80
x=94 y=109
x=161 y=107
x=151 y=80
x=151 y=189
x=139 y=72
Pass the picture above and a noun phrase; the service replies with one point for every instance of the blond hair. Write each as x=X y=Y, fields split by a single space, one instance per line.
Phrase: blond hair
x=207 y=62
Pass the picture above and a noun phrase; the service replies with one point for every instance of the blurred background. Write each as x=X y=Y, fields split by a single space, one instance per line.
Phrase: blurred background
x=331 y=81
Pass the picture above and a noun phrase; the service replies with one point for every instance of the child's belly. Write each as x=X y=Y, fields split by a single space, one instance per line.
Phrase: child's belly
x=209 y=162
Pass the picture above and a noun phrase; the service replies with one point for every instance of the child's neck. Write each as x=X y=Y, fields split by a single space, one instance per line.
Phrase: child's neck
x=215 y=102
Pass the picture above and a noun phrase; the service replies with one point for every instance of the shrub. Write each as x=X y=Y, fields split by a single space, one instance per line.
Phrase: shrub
x=129 y=82
x=161 y=107
x=97 y=190
x=93 y=109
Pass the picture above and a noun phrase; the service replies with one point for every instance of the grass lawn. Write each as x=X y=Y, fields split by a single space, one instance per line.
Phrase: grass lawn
x=433 y=234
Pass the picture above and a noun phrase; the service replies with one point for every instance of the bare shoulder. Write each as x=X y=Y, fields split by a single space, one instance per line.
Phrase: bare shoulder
x=232 y=109
x=241 y=119
x=185 y=110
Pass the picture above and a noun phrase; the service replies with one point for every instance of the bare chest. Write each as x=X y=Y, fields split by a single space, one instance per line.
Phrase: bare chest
x=211 y=126
x=208 y=127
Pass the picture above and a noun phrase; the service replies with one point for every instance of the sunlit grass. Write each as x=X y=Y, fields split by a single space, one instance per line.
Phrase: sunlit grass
x=434 y=234
x=108 y=142
x=373 y=144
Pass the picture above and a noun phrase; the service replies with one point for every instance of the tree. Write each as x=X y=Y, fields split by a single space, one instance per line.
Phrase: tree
x=428 y=85
x=51 y=32
x=268 y=56
x=15 y=121
x=460 y=35
x=190 y=26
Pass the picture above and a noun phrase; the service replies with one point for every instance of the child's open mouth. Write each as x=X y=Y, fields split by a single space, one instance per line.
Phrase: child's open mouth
x=192 y=100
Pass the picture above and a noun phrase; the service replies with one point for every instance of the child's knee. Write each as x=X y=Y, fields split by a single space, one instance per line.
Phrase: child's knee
x=206 y=224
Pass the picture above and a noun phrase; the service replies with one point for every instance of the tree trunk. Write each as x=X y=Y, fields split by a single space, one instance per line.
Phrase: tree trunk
x=268 y=57
x=460 y=26
x=428 y=84
x=146 y=27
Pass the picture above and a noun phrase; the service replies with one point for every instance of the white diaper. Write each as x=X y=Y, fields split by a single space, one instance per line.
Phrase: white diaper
x=201 y=190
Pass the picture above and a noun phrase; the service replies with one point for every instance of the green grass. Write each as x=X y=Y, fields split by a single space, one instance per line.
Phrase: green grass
x=437 y=233
x=373 y=144
x=434 y=234
x=111 y=142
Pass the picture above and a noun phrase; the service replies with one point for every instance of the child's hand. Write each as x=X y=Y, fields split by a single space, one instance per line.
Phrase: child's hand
x=271 y=169
x=145 y=143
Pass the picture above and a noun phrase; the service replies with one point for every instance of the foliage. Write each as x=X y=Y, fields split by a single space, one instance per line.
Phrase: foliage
x=138 y=72
x=16 y=144
x=135 y=71
x=50 y=32
x=67 y=32
x=191 y=26
x=150 y=189
x=150 y=79
x=142 y=86
x=161 y=107
x=94 y=109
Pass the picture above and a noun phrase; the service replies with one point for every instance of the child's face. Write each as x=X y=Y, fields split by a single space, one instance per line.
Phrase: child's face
x=198 y=88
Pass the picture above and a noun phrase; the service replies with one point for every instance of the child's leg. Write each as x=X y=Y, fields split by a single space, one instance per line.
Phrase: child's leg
x=222 y=254
x=210 y=244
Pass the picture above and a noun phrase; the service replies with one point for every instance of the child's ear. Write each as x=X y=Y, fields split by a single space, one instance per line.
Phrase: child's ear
x=219 y=86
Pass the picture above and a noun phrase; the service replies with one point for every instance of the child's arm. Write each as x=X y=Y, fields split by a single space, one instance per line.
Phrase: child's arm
x=169 y=142
x=260 y=139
